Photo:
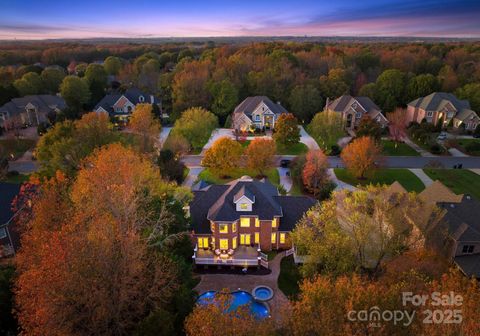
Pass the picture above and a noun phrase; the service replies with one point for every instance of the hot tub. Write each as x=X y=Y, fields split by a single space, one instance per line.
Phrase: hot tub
x=262 y=293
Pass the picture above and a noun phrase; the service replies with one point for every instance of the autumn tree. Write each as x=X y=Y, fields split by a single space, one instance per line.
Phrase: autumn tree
x=287 y=131
x=260 y=155
x=314 y=175
x=65 y=145
x=29 y=84
x=178 y=144
x=397 y=125
x=144 y=123
x=360 y=156
x=327 y=128
x=223 y=156
x=216 y=317
x=196 y=124
x=368 y=127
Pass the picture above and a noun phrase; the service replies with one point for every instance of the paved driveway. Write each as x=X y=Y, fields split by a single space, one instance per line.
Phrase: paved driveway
x=285 y=180
x=307 y=139
x=192 y=176
x=216 y=134
x=163 y=135
x=24 y=164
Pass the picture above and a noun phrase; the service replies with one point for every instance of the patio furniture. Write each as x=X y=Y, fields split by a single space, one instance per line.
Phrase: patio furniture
x=217 y=252
x=230 y=252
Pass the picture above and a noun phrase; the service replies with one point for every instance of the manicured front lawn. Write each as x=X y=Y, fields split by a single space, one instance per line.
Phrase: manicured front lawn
x=17 y=147
x=464 y=143
x=384 y=176
x=296 y=149
x=289 y=277
x=210 y=177
x=401 y=149
x=460 y=181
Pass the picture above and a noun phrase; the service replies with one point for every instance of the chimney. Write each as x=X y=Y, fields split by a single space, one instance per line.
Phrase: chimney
x=327 y=103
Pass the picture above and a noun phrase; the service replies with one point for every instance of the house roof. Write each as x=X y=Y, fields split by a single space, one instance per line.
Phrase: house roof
x=132 y=94
x=465 y=114
x=293 y=209
x=469 y=264
x=244 y=191
x=216 y=203
x=437 y=193
x=343 y=102
x=396 y=187
x=249 y=104
x=437 y=100
x=43 y=103
x=8 y=191
x=265 y=206
x=462 y=219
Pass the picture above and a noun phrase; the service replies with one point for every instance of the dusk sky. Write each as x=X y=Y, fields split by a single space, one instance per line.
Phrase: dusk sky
x=38 y=19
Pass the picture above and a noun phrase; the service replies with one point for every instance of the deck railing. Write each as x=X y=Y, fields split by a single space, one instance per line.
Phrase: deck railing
x=235 y=261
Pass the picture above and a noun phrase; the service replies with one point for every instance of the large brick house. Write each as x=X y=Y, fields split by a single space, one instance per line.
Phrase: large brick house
x=120 y=106
x=353 y=109
x=30 y=110
x=256 y=112
x=443 y=108
x=235 y=222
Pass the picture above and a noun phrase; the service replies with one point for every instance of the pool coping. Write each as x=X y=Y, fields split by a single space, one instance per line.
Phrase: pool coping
x=259 y=299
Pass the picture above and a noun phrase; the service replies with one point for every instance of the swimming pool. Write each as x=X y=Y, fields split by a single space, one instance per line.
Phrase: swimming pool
x=262 y=293
x=240 y=298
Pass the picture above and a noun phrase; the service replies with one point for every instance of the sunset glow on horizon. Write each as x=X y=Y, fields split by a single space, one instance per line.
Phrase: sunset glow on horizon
x=147 y=18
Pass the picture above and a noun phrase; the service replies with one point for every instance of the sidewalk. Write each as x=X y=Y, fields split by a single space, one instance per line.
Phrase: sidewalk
x=426 y=180
x=455 y=152
x=340 y=184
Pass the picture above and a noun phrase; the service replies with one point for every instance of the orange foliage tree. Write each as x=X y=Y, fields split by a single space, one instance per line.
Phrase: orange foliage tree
x=260 y=155
x=143 y=122
x=85 y=266
x=314 y=173
x=397 y=124
x=360 y=156
x=223 y=156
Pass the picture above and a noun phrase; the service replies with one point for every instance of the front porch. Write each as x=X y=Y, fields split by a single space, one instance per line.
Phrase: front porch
x=242 y=256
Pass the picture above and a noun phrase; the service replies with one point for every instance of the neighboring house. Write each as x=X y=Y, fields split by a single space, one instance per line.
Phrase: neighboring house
x=233 y=223
x=29 y=110
x=457 y=234
x=256 y=112
x=9 y=238
x=443 y=108
x=120 y=106
x=354 y=108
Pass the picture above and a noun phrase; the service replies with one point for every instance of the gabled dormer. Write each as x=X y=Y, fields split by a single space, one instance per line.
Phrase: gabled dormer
x=244 y=199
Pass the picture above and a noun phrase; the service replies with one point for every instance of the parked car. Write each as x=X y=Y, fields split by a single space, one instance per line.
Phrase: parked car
x=285 y=163
x=442 y=136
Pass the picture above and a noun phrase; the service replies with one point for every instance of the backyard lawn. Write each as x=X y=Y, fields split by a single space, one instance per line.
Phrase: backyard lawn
x=210 y=177
x=458 y=180
x=402 y=149
x=296 y=149
x=289 y=277
x=384 y=176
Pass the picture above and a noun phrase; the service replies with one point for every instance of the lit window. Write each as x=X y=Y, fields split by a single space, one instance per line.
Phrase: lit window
x=234 y=243
x=274 y=222
x=244 y=206
x=203 y=242
x=257 y=238
x=223 y=244
x=223 y=228
x=245 y=239
x=282 y=238
x=257 y=222
x=244 y=222
x=274 y=237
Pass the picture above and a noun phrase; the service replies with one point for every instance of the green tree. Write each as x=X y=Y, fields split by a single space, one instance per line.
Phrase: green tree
x=370 y=128
x=8 y=323
x=326 y=127
x=96 y=77
x=75 y=92
x=287 y=131
x=29 y=84
x=112 y=65
x=225 y=98
x=335 y=84
x=390 y=89
x=470 y=92
x=196 y=125
x=368 y=90
x=305 y=101
x=52 y=78
x=421 y=86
